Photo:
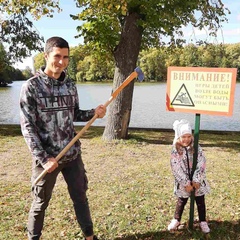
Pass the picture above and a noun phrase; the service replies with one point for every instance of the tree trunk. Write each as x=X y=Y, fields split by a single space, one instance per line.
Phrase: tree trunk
x=126 y=55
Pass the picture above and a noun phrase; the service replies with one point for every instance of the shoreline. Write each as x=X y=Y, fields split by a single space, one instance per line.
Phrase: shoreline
x=220 y=132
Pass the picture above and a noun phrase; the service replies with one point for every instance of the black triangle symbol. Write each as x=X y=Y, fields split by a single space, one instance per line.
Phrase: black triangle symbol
x=183 y=98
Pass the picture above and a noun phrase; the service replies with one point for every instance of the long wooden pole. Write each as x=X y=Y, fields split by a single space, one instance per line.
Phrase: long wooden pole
x=132 y=76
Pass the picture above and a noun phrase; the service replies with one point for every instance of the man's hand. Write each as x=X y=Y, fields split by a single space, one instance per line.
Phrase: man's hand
x=189 y=188
x=100 y=111
x=50 y=165
x=196 y=185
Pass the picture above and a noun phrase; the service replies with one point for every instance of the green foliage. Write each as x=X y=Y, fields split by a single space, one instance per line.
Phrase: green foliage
x=208 y=55
x=27 y=73
x=233 y=53
x=36 y=8
x=72 y=69
x=20 y=37
x=6 y=72
x=104 y=20
x=94 y=69
x=189 y=56
x=95 y=66
x=17 y=31
x=77 y=54
x=39 y=60
x=153 y=63
x=18 y=75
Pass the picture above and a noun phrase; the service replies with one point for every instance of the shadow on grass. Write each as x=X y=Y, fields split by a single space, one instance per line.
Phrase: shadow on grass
x=220 y=230
x=15 y=130
x=163 y=138
x=230 y=140
x=10 y=130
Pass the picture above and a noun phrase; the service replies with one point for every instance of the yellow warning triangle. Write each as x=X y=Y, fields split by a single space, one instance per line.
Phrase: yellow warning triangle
x=183 y=98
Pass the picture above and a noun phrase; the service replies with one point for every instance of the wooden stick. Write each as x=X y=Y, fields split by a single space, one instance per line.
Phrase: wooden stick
x=89 y=123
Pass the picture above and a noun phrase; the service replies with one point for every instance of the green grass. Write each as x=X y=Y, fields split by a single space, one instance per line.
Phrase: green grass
x=130 y=188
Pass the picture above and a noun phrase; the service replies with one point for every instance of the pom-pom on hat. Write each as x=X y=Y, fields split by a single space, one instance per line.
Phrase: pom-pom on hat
x=181 y=127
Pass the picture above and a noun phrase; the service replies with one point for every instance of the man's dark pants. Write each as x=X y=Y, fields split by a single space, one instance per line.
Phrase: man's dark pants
x=75 y=176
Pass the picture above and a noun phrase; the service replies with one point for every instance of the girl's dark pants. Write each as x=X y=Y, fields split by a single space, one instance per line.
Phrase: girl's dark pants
x=75 y=176
x=201 y=207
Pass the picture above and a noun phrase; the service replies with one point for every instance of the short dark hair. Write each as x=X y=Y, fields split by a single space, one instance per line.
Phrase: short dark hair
x=55 y=42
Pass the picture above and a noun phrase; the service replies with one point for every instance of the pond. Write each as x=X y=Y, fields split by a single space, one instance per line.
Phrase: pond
x=148 y=110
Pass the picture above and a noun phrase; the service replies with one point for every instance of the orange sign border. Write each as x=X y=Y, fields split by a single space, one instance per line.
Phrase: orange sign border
x=202 y=69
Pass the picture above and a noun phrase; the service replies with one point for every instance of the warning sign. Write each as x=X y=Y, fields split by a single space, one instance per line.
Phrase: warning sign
x=201 y=90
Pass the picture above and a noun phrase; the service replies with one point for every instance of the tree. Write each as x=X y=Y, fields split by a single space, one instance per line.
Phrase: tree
x=17 y=32
x=5 y=69
x=18 y=75
x=39 y=61
x=91 y=64
x=123 y=27
x=27 y=73
x=233 y=53
x=153 y=64
x=72 y=69
x=78 y=54
x=189 y=56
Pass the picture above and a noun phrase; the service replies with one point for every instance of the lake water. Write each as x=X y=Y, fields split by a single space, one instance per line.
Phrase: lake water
x=148 y=110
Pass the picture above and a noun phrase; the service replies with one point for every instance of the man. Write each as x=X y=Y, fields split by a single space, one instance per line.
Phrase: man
x=48 y=107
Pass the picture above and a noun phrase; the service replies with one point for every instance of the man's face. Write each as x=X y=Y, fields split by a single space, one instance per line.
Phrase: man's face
x=56 y=61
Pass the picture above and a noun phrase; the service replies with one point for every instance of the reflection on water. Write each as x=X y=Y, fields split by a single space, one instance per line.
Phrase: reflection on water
x=148 y=111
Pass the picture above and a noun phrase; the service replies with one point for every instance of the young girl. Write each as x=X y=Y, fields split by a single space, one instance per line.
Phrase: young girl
x=185 y=180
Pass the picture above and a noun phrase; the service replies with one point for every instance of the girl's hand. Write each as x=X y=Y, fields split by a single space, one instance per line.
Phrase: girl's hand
x=189 y=188
x=196 y=185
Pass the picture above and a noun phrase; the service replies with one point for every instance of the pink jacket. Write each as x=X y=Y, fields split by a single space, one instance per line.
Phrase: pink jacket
x=179 y=166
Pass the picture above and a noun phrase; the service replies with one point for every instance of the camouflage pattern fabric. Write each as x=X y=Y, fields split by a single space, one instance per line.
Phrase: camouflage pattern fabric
x=48 y=108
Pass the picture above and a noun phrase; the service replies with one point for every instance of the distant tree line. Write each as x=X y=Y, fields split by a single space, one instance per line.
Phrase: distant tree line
x=87 y=65
x=154 y=62
x=8 y=73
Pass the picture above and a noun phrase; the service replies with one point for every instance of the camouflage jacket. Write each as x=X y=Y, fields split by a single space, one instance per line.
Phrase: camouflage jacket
x=48 y=108
x=179 y=166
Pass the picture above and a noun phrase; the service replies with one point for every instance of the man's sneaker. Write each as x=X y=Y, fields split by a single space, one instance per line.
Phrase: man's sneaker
x=204 y=227
x=173 y=225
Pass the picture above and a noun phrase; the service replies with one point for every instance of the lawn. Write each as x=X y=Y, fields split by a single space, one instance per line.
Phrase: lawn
x=130 y=188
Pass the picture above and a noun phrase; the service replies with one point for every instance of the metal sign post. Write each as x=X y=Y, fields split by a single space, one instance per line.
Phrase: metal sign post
x=195 y=155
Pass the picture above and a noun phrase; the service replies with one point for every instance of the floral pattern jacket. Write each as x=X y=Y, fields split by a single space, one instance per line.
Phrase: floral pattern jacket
x=179 y=166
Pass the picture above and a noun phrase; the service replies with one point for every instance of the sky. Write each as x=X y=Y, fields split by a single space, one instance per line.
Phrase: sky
x=63 y=25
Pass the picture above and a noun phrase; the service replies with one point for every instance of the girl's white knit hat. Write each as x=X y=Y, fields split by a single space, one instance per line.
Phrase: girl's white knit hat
x=181 y=127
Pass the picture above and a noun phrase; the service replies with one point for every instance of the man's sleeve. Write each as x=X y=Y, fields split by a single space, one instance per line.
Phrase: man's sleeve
x=28 y=123
x=82 y=115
